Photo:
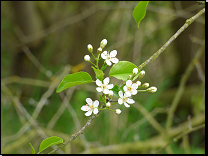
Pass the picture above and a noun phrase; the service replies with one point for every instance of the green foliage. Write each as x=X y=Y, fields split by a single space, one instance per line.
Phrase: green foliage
x=32 y=149
x=54 y=140
x=122 y=70
x=99 y=73
x=115 y=90
x=73 y=80
x=140 y=11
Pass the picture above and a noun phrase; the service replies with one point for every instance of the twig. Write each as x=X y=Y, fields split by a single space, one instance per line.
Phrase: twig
x=188 y=22
x=180 y=91
x=181 y=135
x=74 y=136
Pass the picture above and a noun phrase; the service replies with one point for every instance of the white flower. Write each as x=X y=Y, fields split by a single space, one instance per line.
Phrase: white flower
x=124 y=99
x=108 y=104
x=90 y=48
x=103 y=87
x=152 y=89
x=99 y=50
x=141 y=74
x=90 y=107
x=87 y=58
x=138 y=83
x=135 y=71
x=103 y=43
x=130 y=88
x=118 y=111
x=145 y=85
x=110 y=57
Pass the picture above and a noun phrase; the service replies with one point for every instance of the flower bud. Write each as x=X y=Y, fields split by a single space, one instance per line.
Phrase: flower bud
x=110 y=93
x=141 y=74
x=152 y=89
x=90 y=48
x=108 y=104
x=99 y=50
x=145 y=85
x=118 y=111
x=103 y=43
x=87 y=58
x=135 y=71
x=138 y=83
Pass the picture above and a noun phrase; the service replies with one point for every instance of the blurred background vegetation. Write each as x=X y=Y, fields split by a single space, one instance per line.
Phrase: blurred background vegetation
x=43 y=41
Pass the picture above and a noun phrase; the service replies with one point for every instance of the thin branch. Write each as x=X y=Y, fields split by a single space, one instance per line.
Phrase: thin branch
x=180 y=91
x=188 y=22
x=75 y=135
x=180 y=136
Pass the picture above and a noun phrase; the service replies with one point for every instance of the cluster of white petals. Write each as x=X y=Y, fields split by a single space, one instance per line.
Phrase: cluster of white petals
x=104 y=86
x=91 y=106
x=110 y=57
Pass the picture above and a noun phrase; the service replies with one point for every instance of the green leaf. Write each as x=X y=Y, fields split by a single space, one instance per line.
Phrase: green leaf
x=115 y=90
x=100 y=98
x=32 y=149
x=73 y=80
x=122 y=70
x=140 y=11
x=54 y=140
x=99 y=73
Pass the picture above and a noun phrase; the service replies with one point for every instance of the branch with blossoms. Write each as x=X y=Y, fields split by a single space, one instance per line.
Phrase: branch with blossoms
x=126 y=71
x=123 y=92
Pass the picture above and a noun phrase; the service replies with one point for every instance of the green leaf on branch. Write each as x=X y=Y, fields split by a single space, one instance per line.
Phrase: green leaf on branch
x=115 y=90
x=32 y=149
x=99 y=73
x=140 y=11
x=122 y=70
x=73 y=80
x=54 y=140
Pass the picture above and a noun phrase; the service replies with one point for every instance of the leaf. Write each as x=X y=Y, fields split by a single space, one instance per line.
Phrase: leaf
x=32 y=149
x=73 y=80
x=99 y=73
x=122 y=70
x=54 y=140
x=140 y=11
x=115 y=90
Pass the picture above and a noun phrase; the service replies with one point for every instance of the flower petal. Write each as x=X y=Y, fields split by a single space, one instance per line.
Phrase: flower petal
x=120 y=101
x=98 y=82
x=88 y=113
x=105 y=91
x=106 y=80
x=128 y=83
x=133 y=92
x=125 y=104
x=130 y=101
x=99 y=89
x=104 y=55
x=96 y=103
x=108 y=62
x=95 y=111
x=110 y=86
x=127 y=94
x=134 y=85
x=120 y=93
x=113 y=53
x=114 y=60
x=125 y=88
x=85 y=108
x=89 y=101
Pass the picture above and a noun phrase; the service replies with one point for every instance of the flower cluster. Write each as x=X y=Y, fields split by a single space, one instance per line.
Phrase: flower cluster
x=125 y=92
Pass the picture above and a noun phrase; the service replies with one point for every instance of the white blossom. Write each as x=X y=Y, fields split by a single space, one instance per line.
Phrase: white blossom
x=105 y=86
x=118 y=111
x=103 y=43
x=87 y=58
x=90 y=48
x=135 y=71
x=90 y=107
x=124 y=99
x=110 y=57
x=130 y=88
x=152 y=89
